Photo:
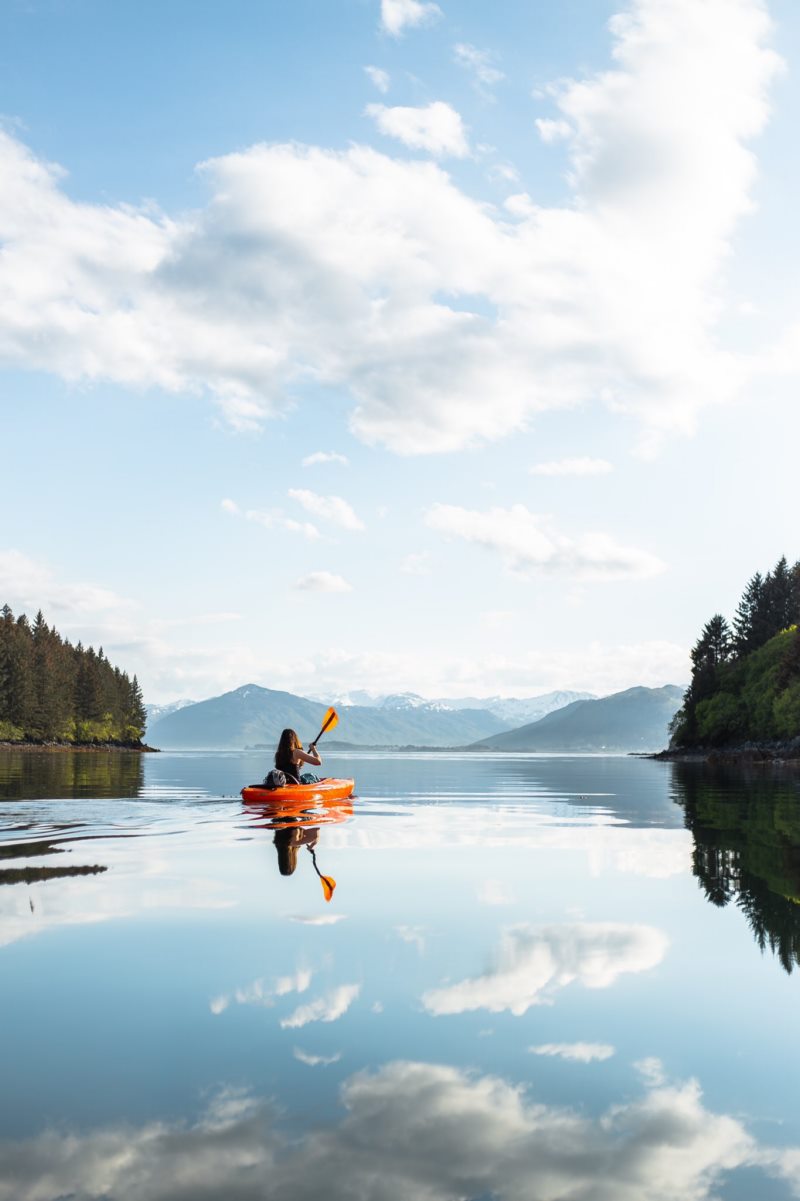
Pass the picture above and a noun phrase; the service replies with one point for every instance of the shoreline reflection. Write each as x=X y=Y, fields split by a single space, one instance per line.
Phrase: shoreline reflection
x=66 y=775
x=746 y=830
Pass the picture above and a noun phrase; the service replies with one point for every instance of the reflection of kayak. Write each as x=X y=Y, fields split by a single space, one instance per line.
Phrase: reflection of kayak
x=305 y=794
x=284 y=815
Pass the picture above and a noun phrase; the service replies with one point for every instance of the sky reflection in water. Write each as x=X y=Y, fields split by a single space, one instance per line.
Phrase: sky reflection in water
x=531 y=981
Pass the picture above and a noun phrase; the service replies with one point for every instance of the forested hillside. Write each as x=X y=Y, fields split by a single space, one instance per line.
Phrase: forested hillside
x=745 y=682
x=53 y=691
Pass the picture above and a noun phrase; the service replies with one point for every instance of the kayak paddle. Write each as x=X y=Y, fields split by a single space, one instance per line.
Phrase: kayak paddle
x=329 y=722
x=328 y=883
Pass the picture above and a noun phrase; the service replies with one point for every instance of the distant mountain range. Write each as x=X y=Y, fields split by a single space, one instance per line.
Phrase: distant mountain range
x=253 y=716
x=516 y=711
x=156 y=712
x=512 y=711
x=633 y=720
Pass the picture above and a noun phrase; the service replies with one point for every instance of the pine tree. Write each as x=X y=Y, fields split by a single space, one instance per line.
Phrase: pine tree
x=21 y=671
x=137 y=717
x=749 y=623
x=778 y=597
x=795 y=612
x=712 y=648
x=42 y=718
x=6 y=635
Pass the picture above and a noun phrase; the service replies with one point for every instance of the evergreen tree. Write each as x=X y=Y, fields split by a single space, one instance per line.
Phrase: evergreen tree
x=712 y=648
x=21 y=688
x=778 y=598
x=137 y=713
x=795 y=613
x=749 y=622
x=6 y=634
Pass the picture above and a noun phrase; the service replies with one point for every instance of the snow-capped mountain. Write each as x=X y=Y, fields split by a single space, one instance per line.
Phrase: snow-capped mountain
x=156 y=712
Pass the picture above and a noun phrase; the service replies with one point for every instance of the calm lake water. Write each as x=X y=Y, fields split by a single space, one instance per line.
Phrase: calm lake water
x=538 y=978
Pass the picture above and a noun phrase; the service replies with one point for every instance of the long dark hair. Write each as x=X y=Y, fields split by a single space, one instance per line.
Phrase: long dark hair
x=286 y=845
x=284 y=758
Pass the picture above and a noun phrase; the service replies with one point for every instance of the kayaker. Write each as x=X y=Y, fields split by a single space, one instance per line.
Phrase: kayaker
x=290 y=755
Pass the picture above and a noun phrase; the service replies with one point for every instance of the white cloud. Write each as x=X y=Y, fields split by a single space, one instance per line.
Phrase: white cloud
x=553 y=130
x=416 y=564
x=651 y=1070
x=479 y=63
x=28 y=584
x=414 y=935
x=579 y=466
x=172 y=661
x=398 y=15
x=260 y=994
x=583 y=666
x=314 y=1061
x=271 y=519
x=534 y=963
x=528 y=543
x=336 y=266
x=379 y=78
x=470 y=1133
x=320 y=919
x=435 y=127
x=325 y=456
x=323 y=581
x=494 y=892
x=331 y=509
x=580 y=1052
x=505 y=172
x=324 y=1009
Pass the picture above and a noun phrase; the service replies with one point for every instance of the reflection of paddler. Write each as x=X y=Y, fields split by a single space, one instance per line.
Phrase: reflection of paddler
x=288 y=840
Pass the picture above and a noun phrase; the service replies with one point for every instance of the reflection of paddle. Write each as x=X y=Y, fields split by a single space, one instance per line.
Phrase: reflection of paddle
x=328 y=882
x=329 y=722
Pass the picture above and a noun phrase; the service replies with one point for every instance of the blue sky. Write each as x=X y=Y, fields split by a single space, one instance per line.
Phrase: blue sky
x=529 y=285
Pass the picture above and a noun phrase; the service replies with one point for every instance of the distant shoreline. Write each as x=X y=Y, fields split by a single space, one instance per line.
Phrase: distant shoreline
x=744 y=753
x=83 y=747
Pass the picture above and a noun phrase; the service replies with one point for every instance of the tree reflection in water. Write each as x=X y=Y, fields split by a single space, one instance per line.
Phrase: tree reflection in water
x=746 y=829
x=26 y=775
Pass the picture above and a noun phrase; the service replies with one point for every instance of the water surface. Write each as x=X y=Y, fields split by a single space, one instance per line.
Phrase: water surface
x=537 y=977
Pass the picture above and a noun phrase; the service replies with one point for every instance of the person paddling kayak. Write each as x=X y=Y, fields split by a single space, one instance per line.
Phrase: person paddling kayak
x=290 y=756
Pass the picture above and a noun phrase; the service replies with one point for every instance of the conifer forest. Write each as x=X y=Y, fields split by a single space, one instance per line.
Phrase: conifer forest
x=52 y=691
x=745 y=683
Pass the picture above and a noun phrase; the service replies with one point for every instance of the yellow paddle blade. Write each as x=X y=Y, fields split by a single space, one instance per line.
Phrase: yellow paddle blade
x=328 y=885
x=330 y=721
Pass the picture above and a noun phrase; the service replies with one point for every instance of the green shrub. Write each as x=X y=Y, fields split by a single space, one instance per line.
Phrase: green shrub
x=786 y=712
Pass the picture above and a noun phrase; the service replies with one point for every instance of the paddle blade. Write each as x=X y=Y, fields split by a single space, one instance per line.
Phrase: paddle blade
x=330 y=721
x=328 y=884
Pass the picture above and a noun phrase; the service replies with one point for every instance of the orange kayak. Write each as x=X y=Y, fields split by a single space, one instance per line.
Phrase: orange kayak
x=293 y=794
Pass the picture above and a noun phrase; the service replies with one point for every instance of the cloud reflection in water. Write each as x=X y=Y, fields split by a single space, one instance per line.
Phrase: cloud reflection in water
x=535 y=962
x=409 y=1130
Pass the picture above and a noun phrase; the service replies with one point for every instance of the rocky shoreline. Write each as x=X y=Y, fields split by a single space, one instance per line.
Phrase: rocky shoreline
x=741 y=753
x=90 y=747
